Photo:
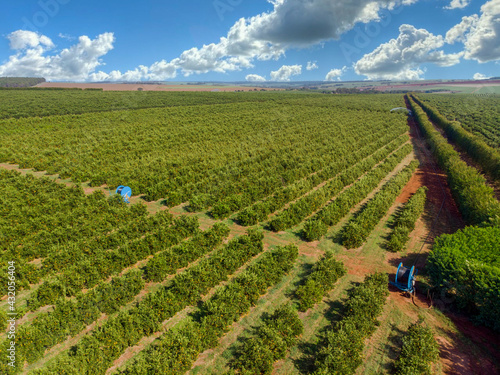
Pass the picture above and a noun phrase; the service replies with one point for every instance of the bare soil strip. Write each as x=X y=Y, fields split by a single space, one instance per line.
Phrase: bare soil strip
x=462 y=348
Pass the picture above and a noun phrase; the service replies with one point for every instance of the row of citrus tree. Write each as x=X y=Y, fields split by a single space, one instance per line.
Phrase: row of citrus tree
x=177 y=349
x=317 y=225
x=159 y=152
x=465 y=265
x=40 y=217
x=38 y=213
x=406 y=219
x=359 y=228
x=310 y=203
x=96 y=351
x=278 y=332
x=486 y=156
x=182 y=344
x=43 y=102
x=304 y=146
x=103 y=263
x=474 y=197
x=341 y=346
x=331 y=166
x=476 y=113
x=260 y=211
x=69 y=317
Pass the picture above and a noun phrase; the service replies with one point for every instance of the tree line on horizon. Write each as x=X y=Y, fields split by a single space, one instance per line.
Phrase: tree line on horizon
x=20 y=81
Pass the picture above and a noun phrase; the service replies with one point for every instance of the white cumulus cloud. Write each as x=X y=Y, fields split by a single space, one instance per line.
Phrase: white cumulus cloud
x=74 y=63
x=306 y=22
x=335 y=74
x=266 y=36
x=291 y=23
x=479 y=34
x=159 y=71
x=458 y=32
x=400 y=58
x=458 y=4
x=480 y=76
x=66 y=36
x=23 y=39
x=284 y=73
x=255 y=78
x=311 y=65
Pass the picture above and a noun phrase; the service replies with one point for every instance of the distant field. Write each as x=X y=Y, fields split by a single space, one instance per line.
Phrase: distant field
x=470 y=87
x=34 y=102
x=467 y=89
x=238 y=131
x=145 y=87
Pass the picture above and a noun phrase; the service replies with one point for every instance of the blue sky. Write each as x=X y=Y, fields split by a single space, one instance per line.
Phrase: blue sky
x=238 y=40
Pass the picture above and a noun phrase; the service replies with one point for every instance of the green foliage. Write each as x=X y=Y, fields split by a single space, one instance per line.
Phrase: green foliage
x=466 y=265
x=252 y=153
x=341 y=172
x=19 y=81
x=3 y=320
x=405 y=222
x=314 y=230
x=341 y=348
x=44 y=220
x=325 y=273
x=487 y=157
x=71 y=316
x=270 y=342
x=86 y=273
x=167 y=262
x=305 y=206
x=475 y=199
x=199 y=202
x=357 y=230
x=478 y=114
x=332 y=213
x=230 y=204
x=419 y=351
x=57 y=101
x=119 y=332
x=257 y=357
x=176 y=350
x=230 y=167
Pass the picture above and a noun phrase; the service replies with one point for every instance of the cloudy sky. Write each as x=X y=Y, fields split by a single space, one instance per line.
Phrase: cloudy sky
x=253 y=40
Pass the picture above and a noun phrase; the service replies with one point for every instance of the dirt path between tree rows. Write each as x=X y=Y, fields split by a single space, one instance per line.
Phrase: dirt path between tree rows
x=457 y=357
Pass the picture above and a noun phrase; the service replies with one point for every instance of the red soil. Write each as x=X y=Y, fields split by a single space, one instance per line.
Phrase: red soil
x=450 y=218
x=456 y=356
x=416 y=181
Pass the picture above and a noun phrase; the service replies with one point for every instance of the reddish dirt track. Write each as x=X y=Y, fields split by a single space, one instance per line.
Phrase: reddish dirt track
x=411 y=188
x=456 y=356
x=450 y=218
x=490 y=181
